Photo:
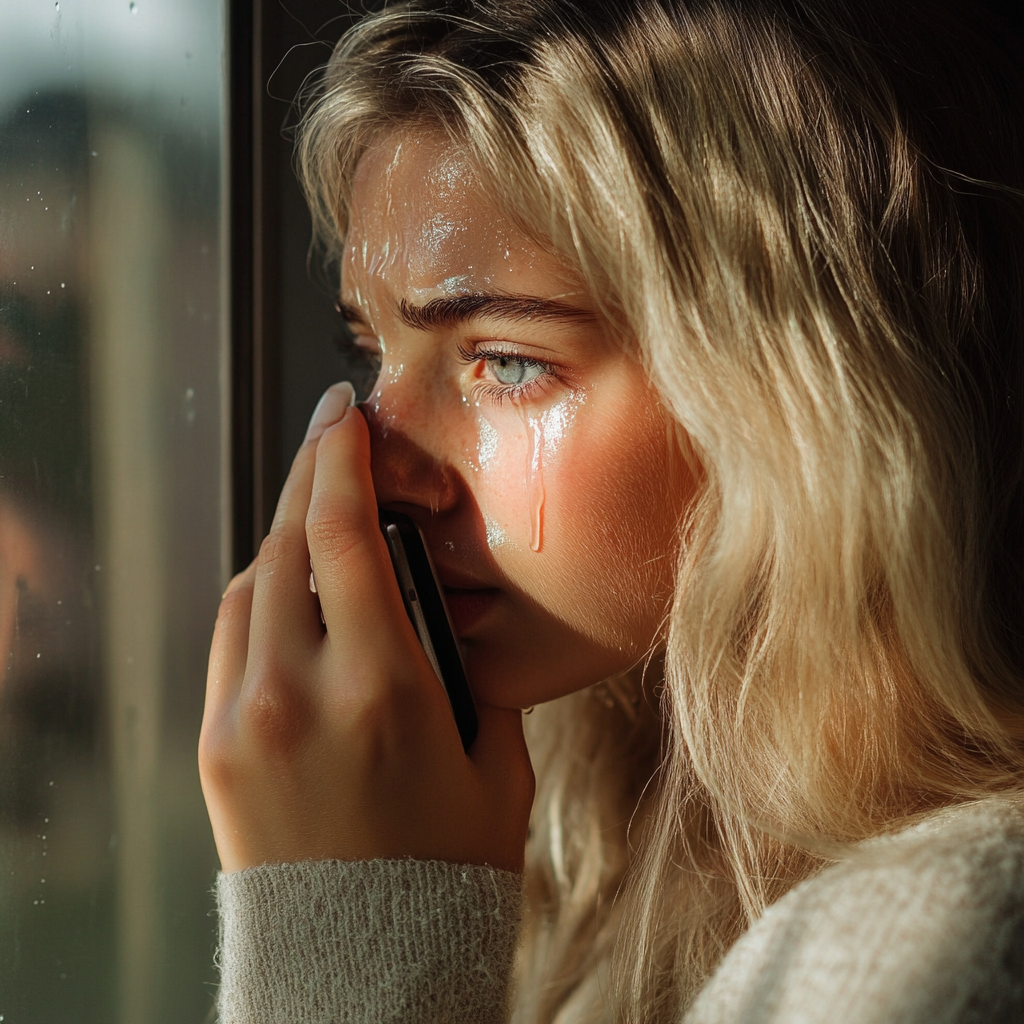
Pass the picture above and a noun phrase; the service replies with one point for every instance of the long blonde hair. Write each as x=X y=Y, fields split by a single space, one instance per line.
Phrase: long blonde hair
x=813 y=235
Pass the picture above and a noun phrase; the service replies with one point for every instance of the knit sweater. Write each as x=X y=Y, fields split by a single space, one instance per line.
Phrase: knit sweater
x=924 y=927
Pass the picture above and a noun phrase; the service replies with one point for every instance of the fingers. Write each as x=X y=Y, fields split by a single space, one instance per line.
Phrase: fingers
x=228 y=655
x=269 y=633
x=355 y=582
x=229 y=650
x=284 y=615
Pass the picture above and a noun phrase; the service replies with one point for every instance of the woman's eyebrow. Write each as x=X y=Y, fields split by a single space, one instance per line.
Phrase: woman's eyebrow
x=450 y=312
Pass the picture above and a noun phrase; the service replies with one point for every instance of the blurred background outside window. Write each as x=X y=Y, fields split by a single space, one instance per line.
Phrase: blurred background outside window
x=114 y=510
x=164 y=333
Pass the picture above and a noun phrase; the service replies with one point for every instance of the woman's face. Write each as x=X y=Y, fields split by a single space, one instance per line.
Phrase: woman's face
x=513 y=426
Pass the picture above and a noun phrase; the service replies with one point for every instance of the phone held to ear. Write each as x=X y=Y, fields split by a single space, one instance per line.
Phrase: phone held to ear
x=425 y=606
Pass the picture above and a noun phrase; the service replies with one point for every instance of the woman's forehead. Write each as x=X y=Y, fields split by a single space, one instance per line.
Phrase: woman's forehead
x=421 y=223
x=414 y=157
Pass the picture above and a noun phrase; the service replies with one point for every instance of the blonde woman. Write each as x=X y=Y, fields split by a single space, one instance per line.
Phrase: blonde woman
x=700 y=337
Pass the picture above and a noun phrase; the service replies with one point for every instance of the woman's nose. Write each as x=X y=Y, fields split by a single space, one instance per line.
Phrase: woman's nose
x=406 y=466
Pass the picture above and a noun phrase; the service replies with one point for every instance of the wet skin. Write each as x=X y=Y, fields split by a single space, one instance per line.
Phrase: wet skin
x=514 y=426
x=520 y=434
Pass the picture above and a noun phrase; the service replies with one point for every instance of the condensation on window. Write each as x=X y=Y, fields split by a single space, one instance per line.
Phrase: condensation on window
x=112 y=503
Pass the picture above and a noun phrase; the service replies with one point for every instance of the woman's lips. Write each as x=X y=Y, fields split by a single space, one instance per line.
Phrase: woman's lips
x=467 y=607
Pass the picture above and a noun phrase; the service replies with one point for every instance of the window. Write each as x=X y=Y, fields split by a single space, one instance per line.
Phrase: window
x=161 y=345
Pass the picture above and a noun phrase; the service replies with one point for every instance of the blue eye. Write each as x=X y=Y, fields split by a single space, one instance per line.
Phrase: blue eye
x=506 y=376
x=514 y=370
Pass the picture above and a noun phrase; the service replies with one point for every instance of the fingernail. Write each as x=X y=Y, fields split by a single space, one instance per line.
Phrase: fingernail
x=332 y=407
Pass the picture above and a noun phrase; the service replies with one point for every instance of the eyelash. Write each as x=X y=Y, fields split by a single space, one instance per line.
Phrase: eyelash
x=494 y=391
x=498 y=392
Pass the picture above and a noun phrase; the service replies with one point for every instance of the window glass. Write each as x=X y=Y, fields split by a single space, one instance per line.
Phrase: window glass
x=112 y=502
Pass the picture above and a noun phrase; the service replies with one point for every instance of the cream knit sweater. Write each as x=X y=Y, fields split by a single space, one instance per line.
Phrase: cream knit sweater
x=925 y=927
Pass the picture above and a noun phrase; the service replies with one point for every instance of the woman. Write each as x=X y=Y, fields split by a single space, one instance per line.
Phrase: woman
x=699 y=329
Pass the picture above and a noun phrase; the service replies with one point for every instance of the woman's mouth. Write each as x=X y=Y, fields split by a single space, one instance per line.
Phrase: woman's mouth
x=468 y=606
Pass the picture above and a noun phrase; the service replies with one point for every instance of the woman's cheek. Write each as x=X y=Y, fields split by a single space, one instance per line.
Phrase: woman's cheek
x=579 y=510
x=611 y=515
x=517 y=449
x=539 y=487
x=495 y=456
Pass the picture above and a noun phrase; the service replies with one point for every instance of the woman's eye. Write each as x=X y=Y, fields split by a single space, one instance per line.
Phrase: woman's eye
x=502 y=376
x=514 y=370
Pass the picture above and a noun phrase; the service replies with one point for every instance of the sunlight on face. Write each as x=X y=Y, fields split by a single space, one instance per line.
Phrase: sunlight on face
x=513 y=426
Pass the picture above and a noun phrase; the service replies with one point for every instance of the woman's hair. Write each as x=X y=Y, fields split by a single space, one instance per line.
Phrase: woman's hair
x=806 y=216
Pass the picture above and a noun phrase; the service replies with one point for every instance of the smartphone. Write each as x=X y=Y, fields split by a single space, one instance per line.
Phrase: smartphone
x=426 y=608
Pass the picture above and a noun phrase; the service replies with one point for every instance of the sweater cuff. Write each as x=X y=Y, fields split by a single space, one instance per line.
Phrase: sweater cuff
x=380 y=941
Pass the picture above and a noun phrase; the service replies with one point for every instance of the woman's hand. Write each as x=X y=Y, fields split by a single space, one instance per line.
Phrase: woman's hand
x=339 y=742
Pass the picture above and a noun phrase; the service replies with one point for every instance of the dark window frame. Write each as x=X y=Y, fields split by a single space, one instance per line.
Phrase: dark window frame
x=252 y=303
x=273 y=46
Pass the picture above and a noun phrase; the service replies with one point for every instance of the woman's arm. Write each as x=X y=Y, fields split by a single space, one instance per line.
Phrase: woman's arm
x=333 y=771
x=374 y=942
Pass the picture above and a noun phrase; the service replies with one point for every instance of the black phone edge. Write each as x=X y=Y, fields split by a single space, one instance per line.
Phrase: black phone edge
x=425 y=605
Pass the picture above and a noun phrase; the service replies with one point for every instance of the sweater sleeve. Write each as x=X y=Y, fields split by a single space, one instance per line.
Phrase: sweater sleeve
x=926 y=927
x=327 y=942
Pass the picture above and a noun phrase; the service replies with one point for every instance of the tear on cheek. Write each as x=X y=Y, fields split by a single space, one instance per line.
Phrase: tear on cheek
x=545 y=435
x=534 y=427
x=537 y=447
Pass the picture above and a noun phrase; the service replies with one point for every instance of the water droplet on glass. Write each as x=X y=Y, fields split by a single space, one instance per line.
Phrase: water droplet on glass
x=133 y=8
x=56 y=7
